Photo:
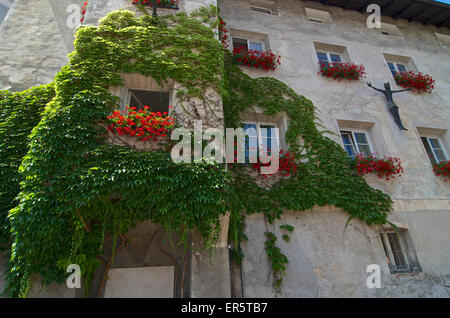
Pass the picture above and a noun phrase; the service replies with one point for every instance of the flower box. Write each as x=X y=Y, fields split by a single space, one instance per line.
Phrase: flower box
x=386 y=167
x=442 y=169
x=421 y=83
x=169 y=4
x=143 y=124
x=341 y=71
x=265 y=60
x=287 y=164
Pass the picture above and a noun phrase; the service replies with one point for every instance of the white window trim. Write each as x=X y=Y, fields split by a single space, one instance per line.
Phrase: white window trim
x=248 y=42
x=396 y=66
x=427 y=137
x=355 y=144
x=258 y=132
x=328 y=53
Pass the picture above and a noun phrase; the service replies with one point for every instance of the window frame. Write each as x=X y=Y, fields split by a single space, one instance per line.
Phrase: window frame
x=397 y=70
x=263 y=45
x=410 y=266
x=354 y=142
x=258 y=132
x=128 y=94
x=328 y=54
x=428 y=137
x=261 y=9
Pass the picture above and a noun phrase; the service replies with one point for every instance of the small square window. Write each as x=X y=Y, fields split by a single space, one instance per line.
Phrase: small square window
x=326 y=58
x=261 y=9
x=4 y=8
x=435 y=151
x=400 y=254
x=396 y=68
x=157 y=101
x=356 y=142
x=248 y=44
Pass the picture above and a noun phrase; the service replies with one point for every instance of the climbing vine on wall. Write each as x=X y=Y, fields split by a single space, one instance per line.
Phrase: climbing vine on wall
x=78 y=191
x=325 y=176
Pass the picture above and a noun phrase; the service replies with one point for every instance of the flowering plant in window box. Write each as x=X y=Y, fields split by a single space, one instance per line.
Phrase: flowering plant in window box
x=171 y=4
x=340 y=71
x=442 y=169
x=421 y=83
x=143 y=124
x=265 y=60
x=386 y=167
x=287 y=164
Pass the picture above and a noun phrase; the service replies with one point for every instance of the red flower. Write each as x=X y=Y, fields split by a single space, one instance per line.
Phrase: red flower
x=421 y=83
x=342 y=71
x=442 y=169
x=265 y=60
x=387 y=167
x=143 y=124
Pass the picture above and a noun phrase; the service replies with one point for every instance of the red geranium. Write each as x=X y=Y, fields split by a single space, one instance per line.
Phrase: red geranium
x=287 y=164
x=442 y=169
x=421 y=83
x=144 y=124
x=386 y=167
x=265 y=60
x=340 y=71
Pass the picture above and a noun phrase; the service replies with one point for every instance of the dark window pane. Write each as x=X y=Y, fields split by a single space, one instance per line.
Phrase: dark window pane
x=401 y=68
x=335 y=58
x=392 y=68
x=157 y=101
x=323 y=58
x=394 y=241
x=239 y=43
x=428 y=150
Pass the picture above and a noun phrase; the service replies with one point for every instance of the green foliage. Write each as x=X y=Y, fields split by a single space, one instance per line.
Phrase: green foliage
x=77 y=190
x=278 y=260
x=324 y=176
x=19 y=113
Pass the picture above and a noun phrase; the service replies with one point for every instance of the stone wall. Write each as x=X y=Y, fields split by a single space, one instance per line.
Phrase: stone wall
x=35 y=42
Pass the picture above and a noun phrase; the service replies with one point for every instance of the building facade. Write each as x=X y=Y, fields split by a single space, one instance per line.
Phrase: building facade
x=328 y=254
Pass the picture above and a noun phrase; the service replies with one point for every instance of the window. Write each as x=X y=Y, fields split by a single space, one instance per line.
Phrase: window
x=157 y=101
x=443 y=38
x=260 y=136
x=434 y=149
x=390 y=29
x=318 y=16
x=260 y=9
x=399 y=251
x=356 y=142
x=248 y=44
x=326 y=58
x=396 y=68
x=4 y=7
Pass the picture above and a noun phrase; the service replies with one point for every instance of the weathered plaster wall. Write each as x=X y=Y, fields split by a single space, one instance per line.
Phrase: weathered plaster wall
x=292 y=35
x=35 y=41
x=328 y=259
x=325 y=260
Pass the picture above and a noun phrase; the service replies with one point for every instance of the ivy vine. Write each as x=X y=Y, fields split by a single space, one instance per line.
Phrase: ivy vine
x=77 y=191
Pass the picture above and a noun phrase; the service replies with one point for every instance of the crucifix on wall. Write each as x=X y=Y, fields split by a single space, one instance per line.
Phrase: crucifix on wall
x=392 y=107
